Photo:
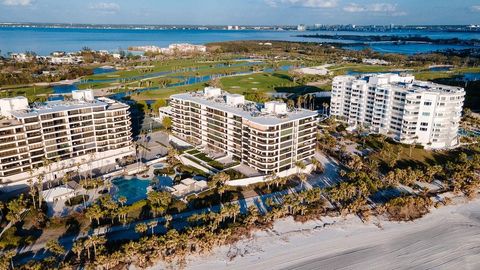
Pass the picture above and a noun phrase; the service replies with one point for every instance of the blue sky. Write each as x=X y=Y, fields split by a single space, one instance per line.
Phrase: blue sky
x=249 y=12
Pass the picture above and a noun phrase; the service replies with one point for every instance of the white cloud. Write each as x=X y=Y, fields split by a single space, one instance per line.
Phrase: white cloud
x=304 y=3
x=103 y=7
x=377 y=8
x=355 y=8
x=17 y=2
x=475 y=8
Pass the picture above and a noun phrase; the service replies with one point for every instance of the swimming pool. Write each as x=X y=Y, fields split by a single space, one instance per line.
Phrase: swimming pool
x=133 y=189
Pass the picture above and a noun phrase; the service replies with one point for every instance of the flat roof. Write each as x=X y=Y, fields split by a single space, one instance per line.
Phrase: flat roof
x=51 y=194
x=423 y=86
x=61 y=106
x=416 y=86
x=250 y=111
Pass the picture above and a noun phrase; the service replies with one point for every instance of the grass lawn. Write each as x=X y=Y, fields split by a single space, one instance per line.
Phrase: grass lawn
x=160 y=66
x=166 y=92
x=192 y=151
x=278 y=82
x=259 y=82
x=33 y=93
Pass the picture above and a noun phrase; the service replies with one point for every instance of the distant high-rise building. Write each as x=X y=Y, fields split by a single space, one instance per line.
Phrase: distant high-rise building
x=301 y=27
x=408 y=110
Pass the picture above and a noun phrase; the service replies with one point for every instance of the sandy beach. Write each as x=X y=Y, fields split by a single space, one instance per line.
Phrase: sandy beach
x=446 y=238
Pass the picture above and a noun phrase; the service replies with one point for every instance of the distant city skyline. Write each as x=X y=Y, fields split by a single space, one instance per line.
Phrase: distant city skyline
x=242 y=12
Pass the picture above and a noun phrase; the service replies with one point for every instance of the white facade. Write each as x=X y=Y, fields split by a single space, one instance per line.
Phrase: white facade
x=407 y=110
x=164 y=112
x=373 y=61
x=67 y=134
x=270 y=139
x=173 y=48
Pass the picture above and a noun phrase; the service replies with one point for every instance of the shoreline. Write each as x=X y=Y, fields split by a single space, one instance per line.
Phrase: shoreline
x=341 y=242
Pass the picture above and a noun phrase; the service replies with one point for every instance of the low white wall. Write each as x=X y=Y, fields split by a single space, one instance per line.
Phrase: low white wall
x=158 y=160
x=259 y=179
x=178 y=141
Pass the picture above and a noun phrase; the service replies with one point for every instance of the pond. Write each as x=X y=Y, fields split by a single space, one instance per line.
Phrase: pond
x=103 y=70
x=471 y=76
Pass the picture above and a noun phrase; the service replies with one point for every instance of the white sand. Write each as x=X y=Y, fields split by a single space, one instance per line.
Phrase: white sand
x=447 y=238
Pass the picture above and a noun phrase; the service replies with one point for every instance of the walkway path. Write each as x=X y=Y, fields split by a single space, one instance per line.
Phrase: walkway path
x=328 y=178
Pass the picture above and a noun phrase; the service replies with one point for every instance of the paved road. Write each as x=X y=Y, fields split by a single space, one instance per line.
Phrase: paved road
x=328 y=178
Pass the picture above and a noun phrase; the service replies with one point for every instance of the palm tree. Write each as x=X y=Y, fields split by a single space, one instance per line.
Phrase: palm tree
x=122 y=200
x=290 y=104
x=303 y=179
x=412 y=145
x=270 y=178
x=141 y=228
x=168 y=219
x=78 y=248
x=54 y=247
x=40 y=178
x=234 y=210
x=32 y=191
x=299 y=102
x=94 y=212
x=300 y=166
x=6 y=259
x=152 y=224
x=122 y=212
x=95 y=241
x=325 y=108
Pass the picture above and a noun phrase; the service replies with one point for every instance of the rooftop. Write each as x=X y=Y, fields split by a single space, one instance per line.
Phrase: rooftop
x=60 y=105
x=406 y=82
x=51 y=195
x=248 y=110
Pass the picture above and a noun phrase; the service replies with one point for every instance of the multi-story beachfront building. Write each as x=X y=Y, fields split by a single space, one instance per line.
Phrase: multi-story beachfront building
x=399 y=106
x=270 y=138
x=62 y=134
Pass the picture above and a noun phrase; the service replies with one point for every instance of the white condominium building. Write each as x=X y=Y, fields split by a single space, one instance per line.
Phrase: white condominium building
x=269 y=138
x=62 y=133
x=409 y=111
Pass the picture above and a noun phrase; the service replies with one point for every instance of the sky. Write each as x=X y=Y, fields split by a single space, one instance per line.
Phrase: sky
x=242 y=12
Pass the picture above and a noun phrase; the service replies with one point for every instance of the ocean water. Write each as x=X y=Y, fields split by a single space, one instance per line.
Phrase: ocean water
x=46 y=40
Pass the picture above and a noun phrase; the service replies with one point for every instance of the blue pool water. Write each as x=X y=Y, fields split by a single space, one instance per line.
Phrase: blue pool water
x=133 y=189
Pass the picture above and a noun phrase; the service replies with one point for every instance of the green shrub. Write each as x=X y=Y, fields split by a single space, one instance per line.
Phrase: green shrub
x=234 y=174
x=217 y=165
x=166 y=170
x=203 y=157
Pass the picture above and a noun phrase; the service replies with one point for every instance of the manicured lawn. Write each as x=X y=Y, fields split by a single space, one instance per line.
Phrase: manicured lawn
x=259 y=82
x=192 y=152
x=166 y=92
x=33 y=93
x=180 y=66
x=203 y=157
